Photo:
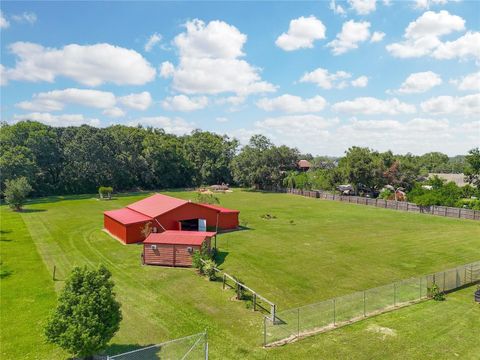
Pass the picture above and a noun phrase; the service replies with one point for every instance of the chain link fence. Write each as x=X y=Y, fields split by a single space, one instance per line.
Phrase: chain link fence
x=194 y=347
x=292 y=324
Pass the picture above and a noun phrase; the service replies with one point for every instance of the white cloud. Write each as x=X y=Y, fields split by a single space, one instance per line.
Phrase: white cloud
x=57 y=99
x=185 y=103
x=377 y=36
x=58 y=120
x=221 y=119
x=361 y=81
x=3 y=75
x=140 y=101
x=327 y=80
x=26 y=17
x=363 y=7
x=210 y=62
x=4 y=23
x=337 y=9
x=374 y=106
x=296 y=130
x=420 y=82
x=460 y=106
x=113 y=112
x=466 y=46
x=426 y=4
x=468 y=82
x=153 y=40
x=292 y=104
x=301 y=34
x=90 y=65
x=177 y=126
x=351 y=35
x=422 y=38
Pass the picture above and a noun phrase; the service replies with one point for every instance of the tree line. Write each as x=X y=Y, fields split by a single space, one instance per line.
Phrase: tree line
x=74 y=160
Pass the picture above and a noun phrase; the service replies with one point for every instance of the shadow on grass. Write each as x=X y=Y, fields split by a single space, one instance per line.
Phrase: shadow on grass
x=26 y=211
x=240 y=228
x=117 y=349
x=220 y=257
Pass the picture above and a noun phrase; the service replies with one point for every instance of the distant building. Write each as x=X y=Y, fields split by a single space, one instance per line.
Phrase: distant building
x=458 y=179
x=304 y=165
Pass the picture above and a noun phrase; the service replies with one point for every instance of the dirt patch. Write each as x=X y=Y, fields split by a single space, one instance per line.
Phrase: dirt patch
x=385 y=332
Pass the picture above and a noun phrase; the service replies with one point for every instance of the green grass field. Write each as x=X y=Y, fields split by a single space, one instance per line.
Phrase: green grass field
x=313 y=250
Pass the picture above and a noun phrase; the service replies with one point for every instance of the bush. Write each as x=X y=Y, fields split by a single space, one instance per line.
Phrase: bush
x=207 y=198
x=105 y=192
x=16 y=192
x=197 y=261
x=87 y=315
x=209 y=270
x=436 y=294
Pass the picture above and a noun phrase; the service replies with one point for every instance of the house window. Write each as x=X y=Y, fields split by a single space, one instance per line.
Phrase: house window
x=153 y=247
x=190 y=249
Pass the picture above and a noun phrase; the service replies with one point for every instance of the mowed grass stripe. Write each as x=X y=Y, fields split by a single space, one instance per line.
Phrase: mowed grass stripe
x=27 y=294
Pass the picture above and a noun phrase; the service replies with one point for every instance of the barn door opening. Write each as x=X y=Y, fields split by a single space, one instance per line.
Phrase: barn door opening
x=189 y=225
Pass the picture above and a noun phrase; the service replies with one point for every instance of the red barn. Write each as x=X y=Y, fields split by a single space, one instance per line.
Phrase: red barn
x=174 y=248
x=166 y=213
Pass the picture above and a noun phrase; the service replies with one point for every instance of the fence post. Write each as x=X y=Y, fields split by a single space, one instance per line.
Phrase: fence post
x=394 y=294
x=471 y=273
x=206 y=345
x=264 y=331
x=420 y=288
x=298 y=322
x=273 y=311
x=334 y=313
x=224 y=280
x=54 y=271
x=254 y=301
x=459 y=212
x=364 y=305
x=444 y=281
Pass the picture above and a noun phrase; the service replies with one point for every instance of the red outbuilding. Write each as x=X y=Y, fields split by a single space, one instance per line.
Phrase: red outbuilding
x=166 y=213
x=173 y=247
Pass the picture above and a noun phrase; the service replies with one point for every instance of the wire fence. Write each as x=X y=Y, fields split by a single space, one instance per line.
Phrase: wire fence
x=445 y=211
x=296 y=323
x=194 y=347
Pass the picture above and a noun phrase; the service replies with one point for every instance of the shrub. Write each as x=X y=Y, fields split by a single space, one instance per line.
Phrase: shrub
x=87 y=315
x=209 y=270
x=436 y=294
x=16 y=192
x=197 y=261
x=207 y=198
x=105 y=192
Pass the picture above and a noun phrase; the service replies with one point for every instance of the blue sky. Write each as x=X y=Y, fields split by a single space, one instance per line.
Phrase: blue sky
x=321 y=76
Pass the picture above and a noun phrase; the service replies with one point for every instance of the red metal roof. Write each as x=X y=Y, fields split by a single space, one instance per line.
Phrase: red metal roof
x=127 y=216
x=156 y=205
x=219 y=208
x=179 y=237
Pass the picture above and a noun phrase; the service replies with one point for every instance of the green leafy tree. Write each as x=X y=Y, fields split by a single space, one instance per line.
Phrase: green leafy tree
x=472 y=169
x=358 y=167
x=87 y=315
x=210 y=155
x=261 y=164
x=16 y=192
x=17 y=162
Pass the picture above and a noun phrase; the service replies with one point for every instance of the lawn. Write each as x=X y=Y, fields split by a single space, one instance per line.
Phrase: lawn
x=312 y=250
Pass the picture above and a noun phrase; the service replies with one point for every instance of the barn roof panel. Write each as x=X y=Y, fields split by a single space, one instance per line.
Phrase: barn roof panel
x=126 y=216
x=156 y=205
x=172 y=237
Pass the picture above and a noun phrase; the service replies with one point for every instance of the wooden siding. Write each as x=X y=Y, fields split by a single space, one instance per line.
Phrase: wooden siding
x=169 y=254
